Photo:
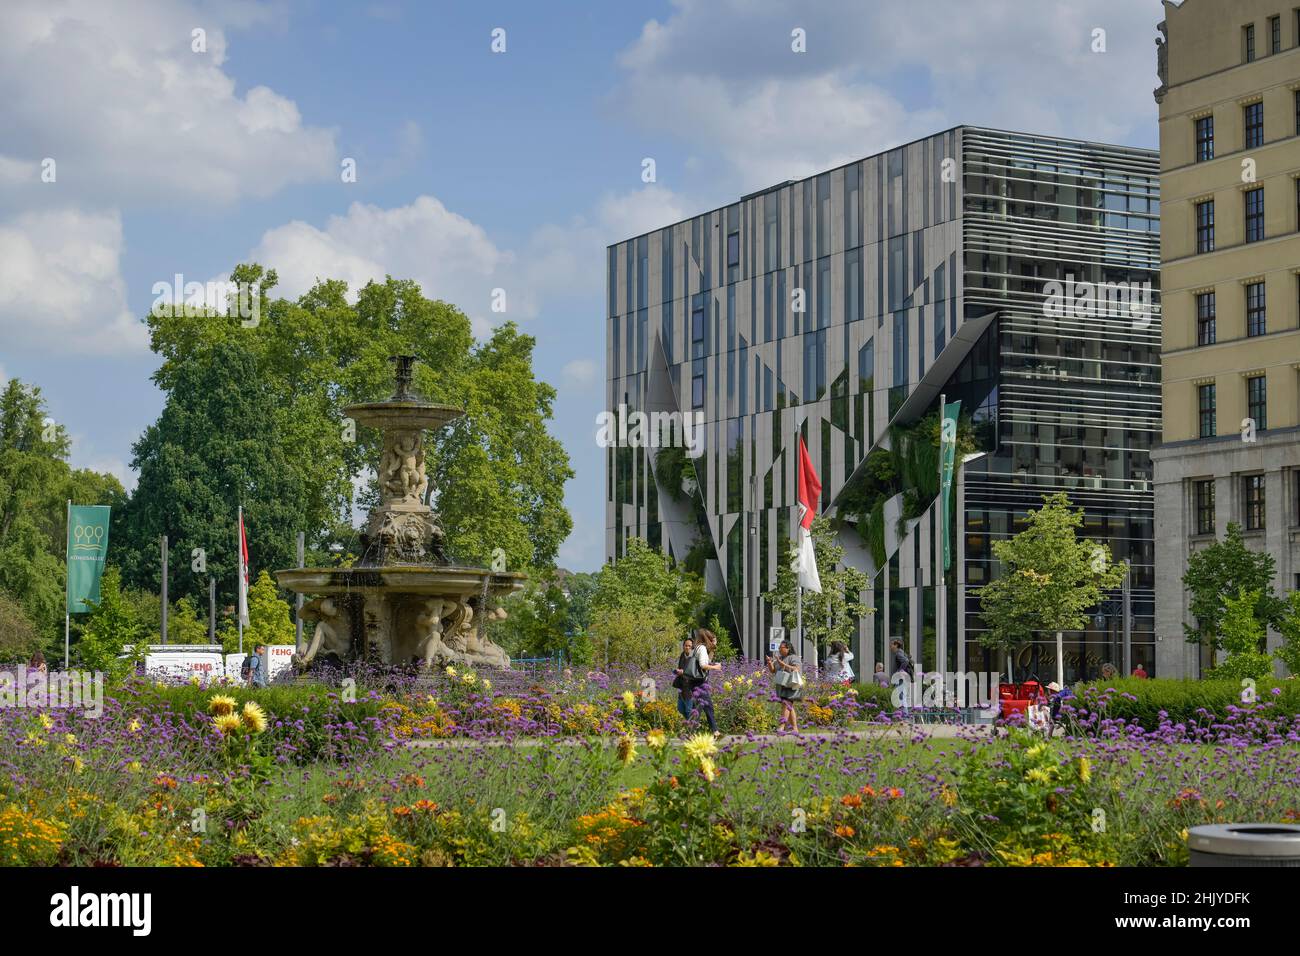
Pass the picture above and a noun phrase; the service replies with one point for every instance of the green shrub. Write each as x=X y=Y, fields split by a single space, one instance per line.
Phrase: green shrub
x=874 y=699
x=1141 y=701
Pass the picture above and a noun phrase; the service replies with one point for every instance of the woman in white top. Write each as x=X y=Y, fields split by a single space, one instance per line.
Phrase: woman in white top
x=706 y=643
x=837 y=664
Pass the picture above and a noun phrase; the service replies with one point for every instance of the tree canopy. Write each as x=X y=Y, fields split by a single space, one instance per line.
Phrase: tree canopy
x=1050 y=577
x=502 y=472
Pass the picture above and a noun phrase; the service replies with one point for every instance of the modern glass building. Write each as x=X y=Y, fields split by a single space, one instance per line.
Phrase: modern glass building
x=841 y=307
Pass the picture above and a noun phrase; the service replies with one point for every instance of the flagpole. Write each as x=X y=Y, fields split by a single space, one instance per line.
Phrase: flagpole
x=799 y=616
x=239 y=576
x=67 y=582
x=941 y=592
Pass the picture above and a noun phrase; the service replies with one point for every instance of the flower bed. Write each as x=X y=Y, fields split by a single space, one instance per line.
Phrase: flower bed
x=597 y=771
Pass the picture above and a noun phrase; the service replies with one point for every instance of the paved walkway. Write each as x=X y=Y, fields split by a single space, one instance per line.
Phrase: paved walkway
x=875 y=732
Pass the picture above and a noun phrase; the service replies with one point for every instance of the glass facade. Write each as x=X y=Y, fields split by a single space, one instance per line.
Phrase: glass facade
x=849 y=302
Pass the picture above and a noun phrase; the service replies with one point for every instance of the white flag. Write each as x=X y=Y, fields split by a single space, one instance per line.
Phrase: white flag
x=243 y=572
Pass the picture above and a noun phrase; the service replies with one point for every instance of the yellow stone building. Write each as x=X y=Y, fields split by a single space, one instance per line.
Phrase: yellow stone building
x=1230 y=257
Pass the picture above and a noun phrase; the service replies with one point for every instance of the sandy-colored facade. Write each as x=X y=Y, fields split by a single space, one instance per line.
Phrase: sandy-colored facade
x=1230 y=257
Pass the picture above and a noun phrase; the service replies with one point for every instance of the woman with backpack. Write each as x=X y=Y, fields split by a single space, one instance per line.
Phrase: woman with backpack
x=681 y=681
x=701 y=662
x=787 y=672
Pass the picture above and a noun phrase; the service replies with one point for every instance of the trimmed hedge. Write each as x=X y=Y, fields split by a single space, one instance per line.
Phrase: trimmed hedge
x=1183 y=701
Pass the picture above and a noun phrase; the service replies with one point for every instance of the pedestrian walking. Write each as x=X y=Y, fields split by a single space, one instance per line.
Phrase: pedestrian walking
x=681 y=681
x=787 y=671
x=837 y=663
x=706 y=644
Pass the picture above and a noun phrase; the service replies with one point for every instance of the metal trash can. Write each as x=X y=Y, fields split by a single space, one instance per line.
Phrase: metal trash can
x=1244 y=844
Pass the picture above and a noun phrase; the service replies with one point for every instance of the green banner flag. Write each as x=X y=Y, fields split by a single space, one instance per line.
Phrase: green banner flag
x=948 y=449
x=87 y=549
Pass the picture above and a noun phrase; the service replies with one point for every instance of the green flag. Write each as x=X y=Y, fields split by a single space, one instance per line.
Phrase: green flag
x=948 y=449
x=87 y=548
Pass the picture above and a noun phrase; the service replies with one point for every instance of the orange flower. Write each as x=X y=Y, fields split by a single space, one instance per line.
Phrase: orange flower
x=165 y=781
x=844 y=831
x=413 y=780
x=672 y=782
x=867 y=792
x=425 y=806
x=401 y=811
x=893 y=793
x=852 y=800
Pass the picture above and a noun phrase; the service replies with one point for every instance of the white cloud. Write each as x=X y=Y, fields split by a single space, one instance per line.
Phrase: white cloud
x=454 y=259
x=876 y=75
x=450 y=257
x=578 y=373
x=129 y=112
x=81 y=454
x=61 y=286
x=564 y=262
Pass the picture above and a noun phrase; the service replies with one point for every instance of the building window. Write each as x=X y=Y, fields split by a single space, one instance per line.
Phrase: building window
x=1255 y=214
x=1254 y=502
x=1205 y=226
x=1205 y=319
x=1297 y=112
x=1248 y=42
x=1205 y=506
x=1255 y=319
x=1257 y=401
x=1275 y=34
x=697 y=383
x=1205 y=403
x=1205 y=136
x=733 y=249
x=1254 y=124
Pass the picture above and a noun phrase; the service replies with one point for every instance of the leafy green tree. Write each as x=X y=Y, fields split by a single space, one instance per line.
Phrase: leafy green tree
x=19 y=637
x=1288 y=625
x=109 y=629
x=503 y=471
x=536 y=625
x=645 y=579
x=832 y=615
x=1221 y=570
x=581 y=586
x=646 y=637
x=35 y=486
x=184 y=626
x=1241 y=635
x=217 y=444
x=269 y=621
x=1050 y=577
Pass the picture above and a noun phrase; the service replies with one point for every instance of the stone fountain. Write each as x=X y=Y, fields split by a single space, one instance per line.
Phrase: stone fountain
x=403 y=602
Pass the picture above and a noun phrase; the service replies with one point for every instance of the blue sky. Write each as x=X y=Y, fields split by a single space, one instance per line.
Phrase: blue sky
x=475 y=170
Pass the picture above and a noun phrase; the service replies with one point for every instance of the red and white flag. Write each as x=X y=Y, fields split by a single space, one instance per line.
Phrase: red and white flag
x=810 y=489
x=243 y=572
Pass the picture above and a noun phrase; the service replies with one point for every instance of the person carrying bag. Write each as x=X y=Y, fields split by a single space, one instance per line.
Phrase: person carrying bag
x=787 y=678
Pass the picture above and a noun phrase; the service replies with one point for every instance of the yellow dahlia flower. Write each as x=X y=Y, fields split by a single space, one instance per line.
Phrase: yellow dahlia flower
x=626 y=750
x=225 y=724
x=701 y=747
x=254 y=717
x=221 y=704
x=656 y=739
